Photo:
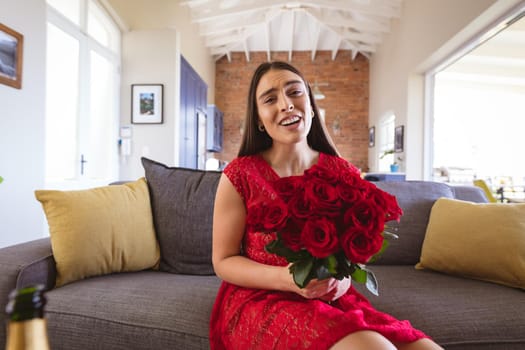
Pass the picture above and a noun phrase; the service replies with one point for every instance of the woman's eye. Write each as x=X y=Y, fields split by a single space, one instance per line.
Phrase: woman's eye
x=296 y=92
x=269 y=100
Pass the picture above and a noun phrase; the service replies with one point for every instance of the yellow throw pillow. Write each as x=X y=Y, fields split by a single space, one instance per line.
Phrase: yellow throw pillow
x=483 y=241
x=100 y=230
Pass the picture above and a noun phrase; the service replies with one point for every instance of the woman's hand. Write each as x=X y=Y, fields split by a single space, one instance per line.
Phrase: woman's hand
x=329 y=289
x=340 y=289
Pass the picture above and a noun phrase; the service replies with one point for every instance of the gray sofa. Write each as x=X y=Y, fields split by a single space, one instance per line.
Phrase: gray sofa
x=170 y=308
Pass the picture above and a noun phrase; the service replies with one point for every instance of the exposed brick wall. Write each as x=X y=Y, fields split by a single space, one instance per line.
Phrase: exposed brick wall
x=346 y=101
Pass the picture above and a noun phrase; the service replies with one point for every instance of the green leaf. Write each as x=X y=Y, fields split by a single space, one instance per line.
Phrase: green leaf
x=331 y=264
x=359 y=275
x=1 y=179
x=301 y=271
x=371 y=282
x=376 y=255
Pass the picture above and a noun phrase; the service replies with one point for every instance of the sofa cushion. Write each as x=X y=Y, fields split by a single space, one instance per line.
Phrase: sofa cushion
x=100 y=230
x=457 y=313
x=480 y=241
x=182 y=202
x=139 y=310
x=416 y=199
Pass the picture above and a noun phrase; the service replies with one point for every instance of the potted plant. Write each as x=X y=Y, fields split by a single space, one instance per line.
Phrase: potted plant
x=1 y=179
x=394 y=167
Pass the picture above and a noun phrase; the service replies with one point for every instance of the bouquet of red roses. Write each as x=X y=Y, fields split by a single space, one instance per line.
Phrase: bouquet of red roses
x=327 y=224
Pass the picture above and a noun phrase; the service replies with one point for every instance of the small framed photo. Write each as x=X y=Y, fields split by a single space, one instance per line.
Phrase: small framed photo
x=371 y=136
x=146 y=103
x=11 y=55
x=399 y=138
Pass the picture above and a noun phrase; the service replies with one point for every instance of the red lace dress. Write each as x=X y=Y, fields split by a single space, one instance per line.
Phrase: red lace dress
x=244 y=318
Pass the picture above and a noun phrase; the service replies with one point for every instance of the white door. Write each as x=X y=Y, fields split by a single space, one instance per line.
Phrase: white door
x=81 y=102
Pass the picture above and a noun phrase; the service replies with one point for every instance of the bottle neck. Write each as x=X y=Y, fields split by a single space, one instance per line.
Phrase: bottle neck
x=26 y=304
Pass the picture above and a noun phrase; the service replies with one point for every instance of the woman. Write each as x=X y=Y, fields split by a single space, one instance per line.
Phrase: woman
x=258 y=305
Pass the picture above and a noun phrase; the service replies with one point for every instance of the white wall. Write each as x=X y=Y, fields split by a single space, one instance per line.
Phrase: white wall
x=149 y=57
x=428 y=31
x=151 y=54
x=22 y=127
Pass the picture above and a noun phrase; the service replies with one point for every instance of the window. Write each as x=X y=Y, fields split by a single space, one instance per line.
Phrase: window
x=386 y=142
x=83 y=60
x=476 y=109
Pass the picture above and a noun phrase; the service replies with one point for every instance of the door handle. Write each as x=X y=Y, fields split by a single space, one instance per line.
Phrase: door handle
x=82 y=161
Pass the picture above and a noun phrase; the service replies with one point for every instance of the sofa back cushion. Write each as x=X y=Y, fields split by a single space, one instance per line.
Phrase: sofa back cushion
x=182 y=203
x=416 y=199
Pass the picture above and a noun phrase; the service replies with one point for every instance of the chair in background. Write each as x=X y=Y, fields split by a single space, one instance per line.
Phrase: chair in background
x=483 y=185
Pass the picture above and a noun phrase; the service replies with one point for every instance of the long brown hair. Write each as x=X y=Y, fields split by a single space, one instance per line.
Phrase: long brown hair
x=255 y=141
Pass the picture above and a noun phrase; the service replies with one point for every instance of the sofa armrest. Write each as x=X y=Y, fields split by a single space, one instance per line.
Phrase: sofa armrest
x=23 y=264
x=26 y=263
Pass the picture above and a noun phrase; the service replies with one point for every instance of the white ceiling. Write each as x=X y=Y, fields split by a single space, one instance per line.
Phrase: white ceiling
x=276 y=25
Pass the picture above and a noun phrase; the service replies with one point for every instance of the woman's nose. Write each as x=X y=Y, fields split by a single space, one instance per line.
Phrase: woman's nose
x=286 y=105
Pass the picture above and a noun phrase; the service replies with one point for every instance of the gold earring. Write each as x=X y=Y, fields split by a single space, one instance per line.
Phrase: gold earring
x=313 y=113
x=260 y=127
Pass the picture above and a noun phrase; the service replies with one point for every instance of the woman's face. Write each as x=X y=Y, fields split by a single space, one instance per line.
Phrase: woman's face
x=283 y=106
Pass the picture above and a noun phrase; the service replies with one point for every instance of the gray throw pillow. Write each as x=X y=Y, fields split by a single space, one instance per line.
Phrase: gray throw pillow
x=182 y=204
x=416 y=198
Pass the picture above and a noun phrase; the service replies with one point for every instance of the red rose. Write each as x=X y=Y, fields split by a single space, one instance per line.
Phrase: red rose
x=267 y=217
x=299 y=206
x=323 y=198
x=364 y=215
x=348 y=193
x=359 y=245
x=388 y=203
x=320 y=174
x=351 y=177
x=291 y=234
x=319 y=237
x=287 y=187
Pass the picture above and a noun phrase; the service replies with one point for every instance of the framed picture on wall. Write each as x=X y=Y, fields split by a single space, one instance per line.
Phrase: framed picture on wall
x=371 y=136
x=11 y=55
x=398 y=138
x=146 y=103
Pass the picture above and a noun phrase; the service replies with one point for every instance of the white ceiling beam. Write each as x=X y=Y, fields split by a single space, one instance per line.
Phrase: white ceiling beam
x=268 y=40
x=246 y=50
x=334 y=19
x=223 y=40
x=214 y=12
x=337 y=45
x=292 y=31
x=315 y=39
x=373 y=7
x=361 y=37
x=207 y=29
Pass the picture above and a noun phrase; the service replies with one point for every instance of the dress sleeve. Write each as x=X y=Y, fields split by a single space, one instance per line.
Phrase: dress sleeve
x=236 y=173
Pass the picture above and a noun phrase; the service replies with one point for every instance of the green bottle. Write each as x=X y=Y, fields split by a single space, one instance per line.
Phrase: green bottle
x=27 y=328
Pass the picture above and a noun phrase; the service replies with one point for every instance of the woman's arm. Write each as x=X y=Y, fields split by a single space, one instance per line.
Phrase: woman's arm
x=229 y=218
